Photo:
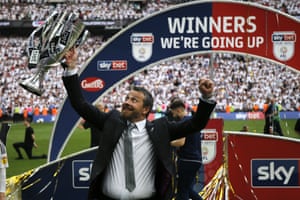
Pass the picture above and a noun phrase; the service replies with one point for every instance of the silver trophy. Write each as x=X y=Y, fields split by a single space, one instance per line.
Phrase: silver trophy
x=48 y=44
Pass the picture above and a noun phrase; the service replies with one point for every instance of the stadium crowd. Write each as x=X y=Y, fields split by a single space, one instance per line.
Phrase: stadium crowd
x=110 y=9
x=243 y=85
x=243 y=82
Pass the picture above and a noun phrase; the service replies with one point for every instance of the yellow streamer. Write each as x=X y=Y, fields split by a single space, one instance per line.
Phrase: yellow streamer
x=14 y=185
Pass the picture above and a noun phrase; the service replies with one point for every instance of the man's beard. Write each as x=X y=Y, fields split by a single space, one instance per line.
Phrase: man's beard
x=129 y=112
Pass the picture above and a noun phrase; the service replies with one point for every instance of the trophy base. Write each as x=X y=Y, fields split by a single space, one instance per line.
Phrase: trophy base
x=31 y=88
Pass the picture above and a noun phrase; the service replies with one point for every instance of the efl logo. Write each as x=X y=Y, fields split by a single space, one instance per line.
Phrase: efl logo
x=92 y=84
x=81 y=173
x=275 y=173
x=141 y=44
x=112 y=65
x=283 y=44
x=209 y=139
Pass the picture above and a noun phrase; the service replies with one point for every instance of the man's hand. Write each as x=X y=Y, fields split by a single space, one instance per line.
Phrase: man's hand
x=206 y=87
x=71 y=58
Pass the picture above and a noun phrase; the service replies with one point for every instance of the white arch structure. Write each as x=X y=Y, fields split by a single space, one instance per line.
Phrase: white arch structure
x=190 y=28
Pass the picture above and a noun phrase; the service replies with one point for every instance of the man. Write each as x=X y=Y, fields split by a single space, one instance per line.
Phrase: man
x=268 y=127
x=152 y=153
x=28 y=144
x=3 y=166
x=245 y=128
x=276 y=118
x=272 y=121
x=189 y=158
x=95 y=132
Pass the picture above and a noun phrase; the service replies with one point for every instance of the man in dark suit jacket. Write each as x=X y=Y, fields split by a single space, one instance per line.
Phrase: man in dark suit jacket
x=95 y=132
x=151 y=140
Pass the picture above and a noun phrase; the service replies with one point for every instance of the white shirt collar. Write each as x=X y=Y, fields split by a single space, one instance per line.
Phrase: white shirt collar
x=140 y=125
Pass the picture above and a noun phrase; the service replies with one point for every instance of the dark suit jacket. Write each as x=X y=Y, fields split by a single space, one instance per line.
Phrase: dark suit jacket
x=161 y=132
x=95 y=133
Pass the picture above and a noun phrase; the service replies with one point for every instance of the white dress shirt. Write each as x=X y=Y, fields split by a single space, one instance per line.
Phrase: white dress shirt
x=144 y=167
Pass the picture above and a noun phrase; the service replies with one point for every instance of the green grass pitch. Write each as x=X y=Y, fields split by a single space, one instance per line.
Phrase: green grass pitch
x=80 y=140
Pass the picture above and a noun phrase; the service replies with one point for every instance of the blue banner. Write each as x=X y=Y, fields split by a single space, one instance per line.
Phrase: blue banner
x=66 y=178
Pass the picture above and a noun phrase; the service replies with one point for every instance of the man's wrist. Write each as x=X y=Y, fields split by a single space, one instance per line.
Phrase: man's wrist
x=68 y=71
x=208 y=98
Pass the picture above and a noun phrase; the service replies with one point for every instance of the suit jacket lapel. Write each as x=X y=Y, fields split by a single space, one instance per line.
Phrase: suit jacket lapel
x=151 y=132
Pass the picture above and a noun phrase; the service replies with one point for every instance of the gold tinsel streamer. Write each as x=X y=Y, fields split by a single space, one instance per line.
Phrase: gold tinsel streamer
x=14 y=185
x=219 y=186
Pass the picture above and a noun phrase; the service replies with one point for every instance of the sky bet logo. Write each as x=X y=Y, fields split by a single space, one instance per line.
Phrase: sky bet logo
x=275 y=173
x=112 y=65
x=81 y=173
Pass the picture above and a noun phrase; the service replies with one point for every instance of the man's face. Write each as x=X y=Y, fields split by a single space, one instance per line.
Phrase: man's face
x=133 y=107
x=178 y=113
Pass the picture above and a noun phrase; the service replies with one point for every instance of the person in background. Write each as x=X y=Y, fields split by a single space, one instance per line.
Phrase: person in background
x=28 y=143
x=189 y=158
x=297 y=126
x=245 y=128
x=3 y=166
x=150 y=175
x=95 y=132
x=276 y=117
x=268 y=127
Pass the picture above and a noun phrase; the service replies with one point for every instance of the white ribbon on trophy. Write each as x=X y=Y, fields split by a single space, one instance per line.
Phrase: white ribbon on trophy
x=48 y=44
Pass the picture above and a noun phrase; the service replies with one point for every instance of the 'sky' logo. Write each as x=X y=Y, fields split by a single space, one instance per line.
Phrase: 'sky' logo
x=81 y=173
x=275 y=173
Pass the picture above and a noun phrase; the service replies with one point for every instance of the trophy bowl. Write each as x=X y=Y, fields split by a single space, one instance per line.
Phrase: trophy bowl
x=48 y=44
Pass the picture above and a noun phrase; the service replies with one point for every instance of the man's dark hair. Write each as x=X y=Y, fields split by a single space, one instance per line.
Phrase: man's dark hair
x=177 y=103
x=148 y=100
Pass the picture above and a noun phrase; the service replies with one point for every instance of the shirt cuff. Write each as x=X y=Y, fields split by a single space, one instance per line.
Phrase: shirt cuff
x=210 y=100
x=69 y=72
